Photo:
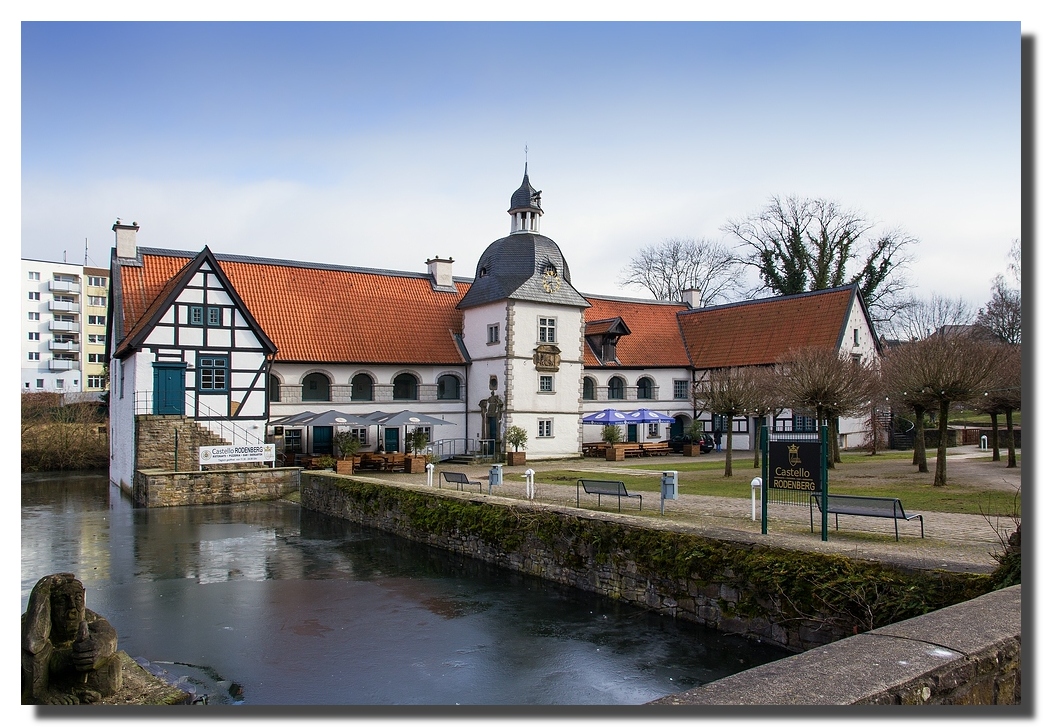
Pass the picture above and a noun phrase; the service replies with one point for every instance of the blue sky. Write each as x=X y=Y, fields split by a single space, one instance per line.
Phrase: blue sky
x=383 y=144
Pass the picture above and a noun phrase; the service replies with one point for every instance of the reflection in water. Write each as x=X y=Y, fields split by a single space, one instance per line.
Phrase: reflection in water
x=263 y=603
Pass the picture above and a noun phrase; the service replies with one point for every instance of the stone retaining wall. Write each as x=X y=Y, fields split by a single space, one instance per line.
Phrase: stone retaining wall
x=969 y=654
x=161 y=488
x=756 y=591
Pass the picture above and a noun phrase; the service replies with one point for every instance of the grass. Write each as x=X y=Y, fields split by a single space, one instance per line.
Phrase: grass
x=888 y=474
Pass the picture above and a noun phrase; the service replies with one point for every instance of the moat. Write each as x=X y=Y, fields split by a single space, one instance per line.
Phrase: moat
x=269 y=604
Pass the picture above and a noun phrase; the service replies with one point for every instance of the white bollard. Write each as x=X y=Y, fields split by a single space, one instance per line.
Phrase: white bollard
x=755 y=488
x=430 y=474
x=984 y=442
x=530 y=483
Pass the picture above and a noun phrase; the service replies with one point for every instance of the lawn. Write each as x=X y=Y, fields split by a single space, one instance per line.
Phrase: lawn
x=889 y=474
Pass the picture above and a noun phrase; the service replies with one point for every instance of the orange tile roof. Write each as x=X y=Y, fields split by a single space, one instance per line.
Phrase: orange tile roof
x=322 y=313
x=654 y=338
x=758 y=332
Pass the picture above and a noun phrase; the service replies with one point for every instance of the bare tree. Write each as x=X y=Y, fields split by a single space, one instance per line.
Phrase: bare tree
x=1004 y=397
x=668 y=269
x=799 y=245
x=1002 y=314
x=728 y=392
x=829 y=383
x=901 y=369
x=920 y=318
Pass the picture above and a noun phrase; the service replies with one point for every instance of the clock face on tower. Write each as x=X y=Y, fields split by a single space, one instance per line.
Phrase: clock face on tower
x=551 y=281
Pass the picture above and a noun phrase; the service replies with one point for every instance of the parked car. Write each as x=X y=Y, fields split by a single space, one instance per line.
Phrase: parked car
x=706 y=443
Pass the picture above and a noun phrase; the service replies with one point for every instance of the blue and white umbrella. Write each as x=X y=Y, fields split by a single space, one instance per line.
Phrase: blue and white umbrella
x=644 y=416
x=606 y=416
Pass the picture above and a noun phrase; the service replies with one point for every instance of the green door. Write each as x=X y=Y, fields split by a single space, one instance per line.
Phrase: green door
x=322 y=440
x=391 y=440
x=168 y=388
x=631 y=432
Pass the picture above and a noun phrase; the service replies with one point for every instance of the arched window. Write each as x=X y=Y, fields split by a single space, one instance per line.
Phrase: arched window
x=274 y=388
x=589 y=392
x=315 y=387
x=617 y=388
x=448 y=387
x=645 y=387
x=362 y=387
x=405 y=387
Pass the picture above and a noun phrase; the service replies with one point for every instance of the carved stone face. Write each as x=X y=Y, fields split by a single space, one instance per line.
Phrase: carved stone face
x=67 y=610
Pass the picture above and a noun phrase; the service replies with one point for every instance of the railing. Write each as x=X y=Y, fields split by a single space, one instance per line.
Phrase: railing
x=63 y=305
x=62 y=364
x=63 y=326
x=63 y=345
x=63 y=286
x=444 y=449
x=219 y=424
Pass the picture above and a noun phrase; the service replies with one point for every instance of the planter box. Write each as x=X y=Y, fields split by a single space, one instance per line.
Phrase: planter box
x=691 y=450
x=615 y=453
x=415 y=465
x=515 y=459
x=346 y=466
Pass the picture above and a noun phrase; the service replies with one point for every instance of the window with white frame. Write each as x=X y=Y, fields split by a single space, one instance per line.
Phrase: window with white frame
x=653 y=430
x=546 y=384
x=34 y=316
x=212 y=373
x=95 y=382
x=548 y=330
x=856 y=337
x=681 y=389
x=95 y=338
x=97 y=300
x=97 y=282
x=544 y=427
x=59 y=383
x=34 y=335
x=34 y=355
x=95 y=358
x=39 y=382
x=95 y=320
x=493 y=332
x=361 y=434
x=34 y=295
x=33 y=275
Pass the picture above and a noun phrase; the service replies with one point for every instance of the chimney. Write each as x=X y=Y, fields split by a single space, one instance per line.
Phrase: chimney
x=693 y=297
x=126 y=239
x=441 y=272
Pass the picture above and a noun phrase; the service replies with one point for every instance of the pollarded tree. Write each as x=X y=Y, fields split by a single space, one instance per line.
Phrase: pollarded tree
x=1004 y=397
x=829 y=383
x=798 y=245
x=729 y=392
x=900 y=370
x=675 y=265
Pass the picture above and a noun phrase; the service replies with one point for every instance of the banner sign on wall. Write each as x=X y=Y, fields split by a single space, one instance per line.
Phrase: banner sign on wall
x=231 y=454
x=795 y=466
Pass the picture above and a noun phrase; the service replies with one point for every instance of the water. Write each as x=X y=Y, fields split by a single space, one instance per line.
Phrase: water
x=265 y=603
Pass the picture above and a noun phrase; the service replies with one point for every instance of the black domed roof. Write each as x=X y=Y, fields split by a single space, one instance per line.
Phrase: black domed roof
x=516 y=267
x=526 y=196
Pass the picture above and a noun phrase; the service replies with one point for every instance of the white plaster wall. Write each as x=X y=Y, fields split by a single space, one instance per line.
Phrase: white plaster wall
x=122 y=423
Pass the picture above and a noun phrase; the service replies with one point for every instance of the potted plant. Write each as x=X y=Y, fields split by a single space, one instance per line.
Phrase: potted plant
x=692 y=439
x=612 y=435
x=348 y=446
x=516 y=437
x=327 y=462
x=417 y=442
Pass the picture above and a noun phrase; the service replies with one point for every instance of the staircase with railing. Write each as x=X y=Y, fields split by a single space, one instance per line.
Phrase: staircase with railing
x=220 y=425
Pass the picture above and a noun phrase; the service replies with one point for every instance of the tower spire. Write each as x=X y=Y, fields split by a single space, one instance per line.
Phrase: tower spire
x=525 y=210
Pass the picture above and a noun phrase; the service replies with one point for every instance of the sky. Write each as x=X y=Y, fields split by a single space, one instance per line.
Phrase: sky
x=380 y=145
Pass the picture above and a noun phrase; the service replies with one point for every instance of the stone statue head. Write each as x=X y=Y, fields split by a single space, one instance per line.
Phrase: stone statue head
x=56 y=607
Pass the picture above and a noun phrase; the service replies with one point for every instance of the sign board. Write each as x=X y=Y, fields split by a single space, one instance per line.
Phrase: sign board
x=231 y=454
x=795 y=466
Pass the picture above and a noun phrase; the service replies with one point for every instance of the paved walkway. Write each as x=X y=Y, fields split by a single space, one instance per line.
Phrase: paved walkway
x=964 y=543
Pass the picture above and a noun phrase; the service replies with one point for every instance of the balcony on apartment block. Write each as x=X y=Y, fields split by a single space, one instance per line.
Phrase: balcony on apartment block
x=63 y=286
x=64 y=345
x=71 y=326
x=64 y=306
x=63 y=364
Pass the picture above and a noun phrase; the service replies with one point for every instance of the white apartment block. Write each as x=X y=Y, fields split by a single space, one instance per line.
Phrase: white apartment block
x=64 y=309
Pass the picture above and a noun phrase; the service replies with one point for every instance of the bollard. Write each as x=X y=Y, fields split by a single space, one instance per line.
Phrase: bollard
x=984 y=442
x=430 y=474
x=530 y=483
x=755 y=487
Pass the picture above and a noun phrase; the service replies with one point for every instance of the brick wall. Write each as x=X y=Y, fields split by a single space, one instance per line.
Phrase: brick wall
x=159 y=488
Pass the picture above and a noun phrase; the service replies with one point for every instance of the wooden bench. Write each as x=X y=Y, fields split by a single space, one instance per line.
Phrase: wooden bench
x=653 y=448
x=614 y=488
x=889 y=507
x=459 y=479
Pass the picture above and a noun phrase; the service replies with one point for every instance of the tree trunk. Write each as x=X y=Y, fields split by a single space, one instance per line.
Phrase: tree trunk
x=919 y=445
x=995 y=437
x=943 y=443
x=756 y=443
x=728 y=450
x=834 y=439
x=1012 y=460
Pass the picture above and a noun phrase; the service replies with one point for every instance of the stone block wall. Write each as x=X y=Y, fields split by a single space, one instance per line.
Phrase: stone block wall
x=593 y=552
x=156 y=436
x=163 y=488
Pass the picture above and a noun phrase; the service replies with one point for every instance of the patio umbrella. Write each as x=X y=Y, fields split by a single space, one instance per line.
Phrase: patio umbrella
x=606 y=416
x=334 y=418
x=404 y=418
x=644 y=416
x=292 y=419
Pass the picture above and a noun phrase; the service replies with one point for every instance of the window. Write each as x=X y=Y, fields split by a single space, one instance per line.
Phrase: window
x=653 y=430
x=588 y=389
x=681 y=389
x=95 y=382
x=33 y=295
x=494 y=333
x=213 y=316
x=544 y=427
x=856 y=336
x=34 y=355
x=546 y=384
x=34 y=336
x=274 y=389
x=97 y=282
x=95 y=358
x=34 y=316
x=803 y=423
x=34 y=275
x=448 y=387
x=195 y=315
x=315 y=387
x=212 y=373
x=96 y=338
x=362 y=387
x=361 y=434
x=292 y=441
x=98 y=300
x=548 y=332
x=645 y=387
x=59 y=383
x=96 y=320
x=405 y=387
x=616 y=388
x=493 y=383
x=39 y=382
